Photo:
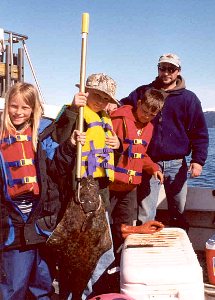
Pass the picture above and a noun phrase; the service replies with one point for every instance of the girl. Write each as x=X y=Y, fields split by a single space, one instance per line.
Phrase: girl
x=29 y=196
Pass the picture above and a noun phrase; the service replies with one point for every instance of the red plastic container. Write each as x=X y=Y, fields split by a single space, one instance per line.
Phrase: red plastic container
x=210 y=259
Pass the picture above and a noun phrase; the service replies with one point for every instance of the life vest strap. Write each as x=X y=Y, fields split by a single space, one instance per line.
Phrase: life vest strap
x=129 y=172
x=103 y=125
x=18 y=138
x=136 y=142
x=20 y=163
x=27 y=179
x=97 y=151
x=21 y=137
x=104 y=165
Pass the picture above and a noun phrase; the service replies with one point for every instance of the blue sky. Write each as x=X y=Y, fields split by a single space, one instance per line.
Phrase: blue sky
x=125 y=41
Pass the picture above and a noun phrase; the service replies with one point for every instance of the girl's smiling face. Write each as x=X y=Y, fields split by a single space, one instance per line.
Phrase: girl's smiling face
x=19 y=111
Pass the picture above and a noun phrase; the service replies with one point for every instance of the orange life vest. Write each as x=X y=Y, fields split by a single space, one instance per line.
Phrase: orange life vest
x=130 y=165
x=133 y=159
x=19 y=159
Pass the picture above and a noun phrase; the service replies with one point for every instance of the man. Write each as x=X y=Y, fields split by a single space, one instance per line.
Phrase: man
x=179 y=129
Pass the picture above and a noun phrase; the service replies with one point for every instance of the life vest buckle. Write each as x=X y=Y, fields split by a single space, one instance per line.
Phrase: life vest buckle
x=106 y=150
x=130 y=179
x=25 y=162
x=137 y=141
x=131 y=172
x=104 y=165
x=21 y=137
x=30 y=179
x=137 y=155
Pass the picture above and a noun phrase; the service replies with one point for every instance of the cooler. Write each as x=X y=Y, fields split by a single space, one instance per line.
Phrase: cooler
x=161 y=266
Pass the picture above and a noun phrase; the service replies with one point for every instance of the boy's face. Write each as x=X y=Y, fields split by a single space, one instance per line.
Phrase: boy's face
x=144 y=115
x=96 y=101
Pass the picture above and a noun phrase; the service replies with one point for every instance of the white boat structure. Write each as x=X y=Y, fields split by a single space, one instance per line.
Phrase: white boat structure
x=200 y=206
x=200 y=213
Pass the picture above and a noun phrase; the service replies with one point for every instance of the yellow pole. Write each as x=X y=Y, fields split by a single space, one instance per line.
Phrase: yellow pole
x=85 y=29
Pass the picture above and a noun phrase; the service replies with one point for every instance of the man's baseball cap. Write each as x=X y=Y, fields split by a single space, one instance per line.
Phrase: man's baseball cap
x=171 y=59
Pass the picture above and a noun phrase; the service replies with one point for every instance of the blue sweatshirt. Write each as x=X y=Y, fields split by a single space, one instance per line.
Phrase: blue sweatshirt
x=180 y=128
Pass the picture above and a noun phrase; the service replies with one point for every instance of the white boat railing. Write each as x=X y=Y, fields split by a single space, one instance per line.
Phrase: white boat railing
x=198 y=199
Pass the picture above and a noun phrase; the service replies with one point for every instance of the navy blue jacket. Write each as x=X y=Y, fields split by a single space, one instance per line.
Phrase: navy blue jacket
x=180 y=128
x=17 y=232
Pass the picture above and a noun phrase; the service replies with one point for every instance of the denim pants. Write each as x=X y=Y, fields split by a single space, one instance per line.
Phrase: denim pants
x=175 y=185
x=26 y=274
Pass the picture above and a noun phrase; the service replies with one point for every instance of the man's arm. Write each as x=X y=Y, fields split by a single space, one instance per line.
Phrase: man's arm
x=198 y=136
x=134 y=96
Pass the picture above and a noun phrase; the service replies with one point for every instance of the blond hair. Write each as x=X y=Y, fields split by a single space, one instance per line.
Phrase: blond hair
x=30 y=96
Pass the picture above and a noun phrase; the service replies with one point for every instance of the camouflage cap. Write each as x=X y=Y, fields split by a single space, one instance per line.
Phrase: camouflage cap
x=103 y=84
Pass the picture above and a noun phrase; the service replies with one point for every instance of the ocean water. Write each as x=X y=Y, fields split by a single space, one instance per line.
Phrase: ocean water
x=207 y=178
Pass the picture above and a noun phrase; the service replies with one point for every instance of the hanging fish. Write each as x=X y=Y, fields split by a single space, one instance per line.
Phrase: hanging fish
x=81 y=237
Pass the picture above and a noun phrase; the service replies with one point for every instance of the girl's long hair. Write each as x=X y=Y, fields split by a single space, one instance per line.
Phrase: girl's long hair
x=30 y=96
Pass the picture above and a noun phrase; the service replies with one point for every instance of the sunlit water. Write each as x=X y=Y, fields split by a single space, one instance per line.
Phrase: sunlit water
x=207 y=178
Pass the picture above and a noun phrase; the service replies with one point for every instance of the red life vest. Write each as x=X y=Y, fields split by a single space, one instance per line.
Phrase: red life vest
x=19 y=159
x=133 y=160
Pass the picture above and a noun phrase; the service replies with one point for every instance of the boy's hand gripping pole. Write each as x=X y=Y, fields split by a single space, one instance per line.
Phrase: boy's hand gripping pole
x=85 y=29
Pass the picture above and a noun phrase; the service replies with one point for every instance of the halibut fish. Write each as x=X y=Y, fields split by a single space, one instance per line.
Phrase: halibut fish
x=80 y=238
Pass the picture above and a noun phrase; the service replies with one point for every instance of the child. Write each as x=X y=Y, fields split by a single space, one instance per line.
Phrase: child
x=134 y=130
x=97 y=152
x=29 y=196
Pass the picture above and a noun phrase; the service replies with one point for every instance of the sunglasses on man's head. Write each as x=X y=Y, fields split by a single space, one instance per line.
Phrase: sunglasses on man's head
x=170 y=70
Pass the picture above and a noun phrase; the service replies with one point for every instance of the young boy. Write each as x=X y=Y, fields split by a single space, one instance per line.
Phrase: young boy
x=97 y=152
x=134 y=129
x=100 y=90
